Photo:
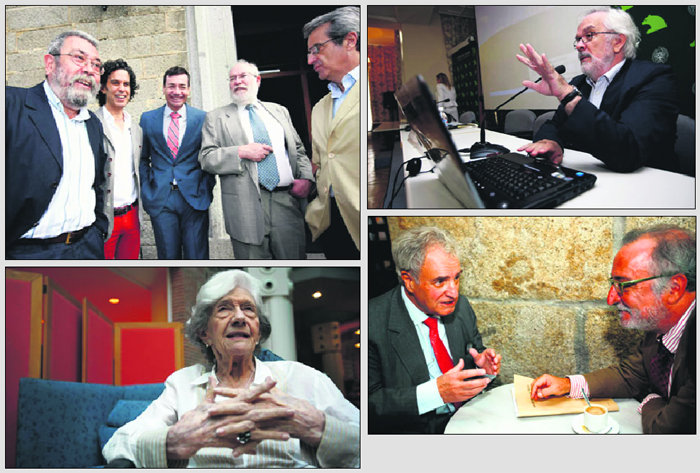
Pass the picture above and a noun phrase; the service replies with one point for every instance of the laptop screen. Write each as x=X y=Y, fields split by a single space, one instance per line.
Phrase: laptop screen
x=419 y=107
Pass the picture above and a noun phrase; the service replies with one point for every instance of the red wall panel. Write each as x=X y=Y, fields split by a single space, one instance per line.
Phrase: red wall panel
x=148 y=355
x=99 y=349
x=65 y=339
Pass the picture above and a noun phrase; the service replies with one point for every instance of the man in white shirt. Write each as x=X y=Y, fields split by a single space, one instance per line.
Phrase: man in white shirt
x=264 y=172
x=425 y=355
x=54 y=158
x=122 y=143
x=621 y=110
x=333 y=42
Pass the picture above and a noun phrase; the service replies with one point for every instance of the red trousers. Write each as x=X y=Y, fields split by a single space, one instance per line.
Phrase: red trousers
x=125 y=241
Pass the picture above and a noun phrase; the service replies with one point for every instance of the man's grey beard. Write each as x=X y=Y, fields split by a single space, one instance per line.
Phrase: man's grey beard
x=646 y=319
x=244 y=100
x=67 y=93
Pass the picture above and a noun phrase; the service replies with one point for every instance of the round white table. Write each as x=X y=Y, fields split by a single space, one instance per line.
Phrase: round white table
x=493 y=412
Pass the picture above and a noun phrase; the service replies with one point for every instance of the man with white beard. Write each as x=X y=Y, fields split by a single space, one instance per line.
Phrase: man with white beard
x=621 y=110
x=652 y=285
x=264 y=172
x=54 y=158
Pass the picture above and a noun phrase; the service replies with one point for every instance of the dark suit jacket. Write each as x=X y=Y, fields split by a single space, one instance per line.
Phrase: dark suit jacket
x=157 y=167
x=34 y=162
x=397 y=365
x=635 y=125
x=631 y=379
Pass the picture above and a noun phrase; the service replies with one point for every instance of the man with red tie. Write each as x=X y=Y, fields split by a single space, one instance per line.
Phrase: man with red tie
x=652 y=284
x=425 y=352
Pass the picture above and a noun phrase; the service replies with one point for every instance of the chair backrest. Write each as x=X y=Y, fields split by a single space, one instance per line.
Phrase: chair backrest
x=519 y=123
x=467 y=117
x=539 y=121
x=58 y=421
x=685 y=144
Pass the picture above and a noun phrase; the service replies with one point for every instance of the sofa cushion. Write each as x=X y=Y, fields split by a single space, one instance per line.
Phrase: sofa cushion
x=125 y=411
x=105 y=433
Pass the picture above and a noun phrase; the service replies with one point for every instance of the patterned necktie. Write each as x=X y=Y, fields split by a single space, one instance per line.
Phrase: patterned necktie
x=443 y=357
x=174 y=134
x=660 y=368
x=268 y=176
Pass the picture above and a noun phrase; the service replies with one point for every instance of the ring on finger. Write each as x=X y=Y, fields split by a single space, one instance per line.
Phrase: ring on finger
x=243 y=438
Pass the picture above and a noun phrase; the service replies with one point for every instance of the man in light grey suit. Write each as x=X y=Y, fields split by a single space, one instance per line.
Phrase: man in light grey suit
x=123 y=141
x=264 y=172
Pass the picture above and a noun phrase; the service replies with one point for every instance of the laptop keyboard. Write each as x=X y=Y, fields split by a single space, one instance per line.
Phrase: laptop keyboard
x=516 y=181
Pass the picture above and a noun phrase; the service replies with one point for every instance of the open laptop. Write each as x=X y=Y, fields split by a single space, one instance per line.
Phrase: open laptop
x=509 y=180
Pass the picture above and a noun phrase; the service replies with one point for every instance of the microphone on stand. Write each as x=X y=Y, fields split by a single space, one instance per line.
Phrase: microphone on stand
x=484 y=148
x=560 y=69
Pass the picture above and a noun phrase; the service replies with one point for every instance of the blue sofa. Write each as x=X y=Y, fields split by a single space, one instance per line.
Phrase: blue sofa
x=62 y=424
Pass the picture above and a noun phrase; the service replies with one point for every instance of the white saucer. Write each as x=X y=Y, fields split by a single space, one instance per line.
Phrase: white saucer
x=579 y=428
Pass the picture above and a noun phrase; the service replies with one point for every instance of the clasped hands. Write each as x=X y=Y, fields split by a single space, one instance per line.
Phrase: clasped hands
x=459 y=385
x=264 y=411
x=257 y=151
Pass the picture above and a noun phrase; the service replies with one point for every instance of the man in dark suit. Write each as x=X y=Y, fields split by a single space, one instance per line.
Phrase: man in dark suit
x=425 y=351
x=54 y=201
x=653 y=287
x=175 y=191
x=621 y=110
x=262 y=201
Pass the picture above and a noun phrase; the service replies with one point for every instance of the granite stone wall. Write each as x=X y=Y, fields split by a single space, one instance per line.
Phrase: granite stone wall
x=538 y=286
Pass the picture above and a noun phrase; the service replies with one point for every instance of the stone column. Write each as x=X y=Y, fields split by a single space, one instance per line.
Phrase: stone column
x=211 y=51
x=277 y=305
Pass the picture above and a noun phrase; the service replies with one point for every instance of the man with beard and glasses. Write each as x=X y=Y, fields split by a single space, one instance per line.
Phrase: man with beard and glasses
x=264 y=172
x=653 y=287
x=54 y=201
x=621 y=110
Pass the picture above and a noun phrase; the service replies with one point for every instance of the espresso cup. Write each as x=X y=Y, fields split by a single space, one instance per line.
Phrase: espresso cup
x=595 y=418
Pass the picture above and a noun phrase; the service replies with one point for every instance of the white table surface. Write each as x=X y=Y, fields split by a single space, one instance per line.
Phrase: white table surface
x=493 y=412
x=645 y=188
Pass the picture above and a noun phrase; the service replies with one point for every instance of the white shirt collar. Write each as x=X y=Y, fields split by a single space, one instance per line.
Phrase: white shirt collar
x=610 y=75
x=182 y=112
x=109 y=118
x=55 y=102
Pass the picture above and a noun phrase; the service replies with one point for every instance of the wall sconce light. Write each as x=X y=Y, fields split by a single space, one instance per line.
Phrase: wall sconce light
x=114 y=300
x=317 y=295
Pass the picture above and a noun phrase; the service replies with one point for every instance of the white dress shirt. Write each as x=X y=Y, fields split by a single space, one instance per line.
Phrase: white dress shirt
x=72 y=206
x=143 y=440
x=599 y=87
x=427 y=393
x=276 y=134
x=124 y=190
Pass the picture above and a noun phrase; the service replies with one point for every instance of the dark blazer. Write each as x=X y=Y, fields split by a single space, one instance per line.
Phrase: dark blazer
x=396 y=363
x=157 y=167
x=631 y=379
x=636 y=123
x=34 y=162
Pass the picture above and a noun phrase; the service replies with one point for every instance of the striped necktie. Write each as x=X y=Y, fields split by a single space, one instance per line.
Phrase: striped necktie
x=174 y=134
x=268 y=176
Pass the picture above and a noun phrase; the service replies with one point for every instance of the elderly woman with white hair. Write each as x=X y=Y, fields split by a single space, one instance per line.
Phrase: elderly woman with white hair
x=242 y=412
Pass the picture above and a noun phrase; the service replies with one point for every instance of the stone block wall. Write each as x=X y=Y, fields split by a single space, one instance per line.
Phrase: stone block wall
x=538 y=286
x=150 y=38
